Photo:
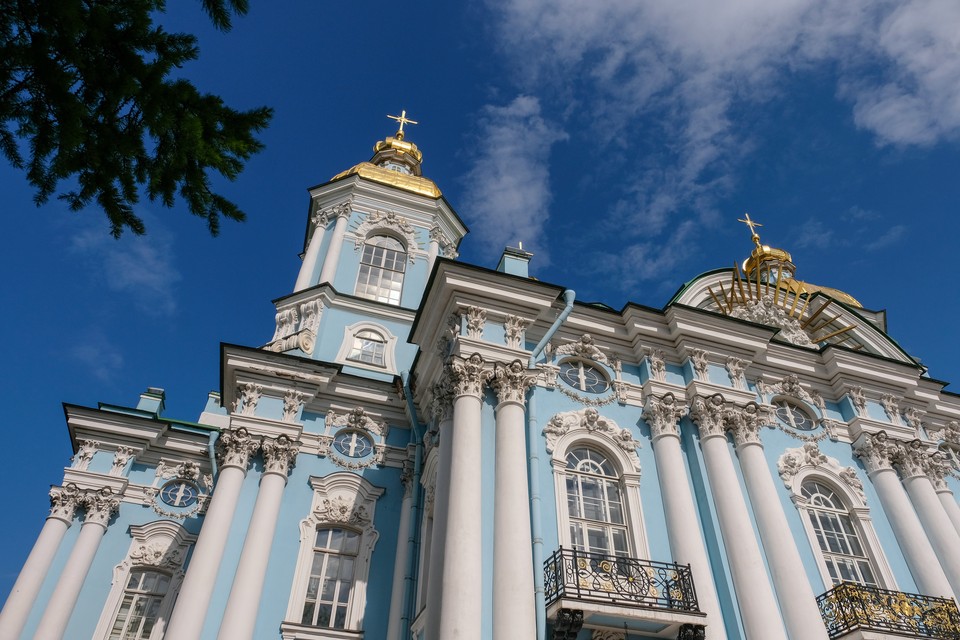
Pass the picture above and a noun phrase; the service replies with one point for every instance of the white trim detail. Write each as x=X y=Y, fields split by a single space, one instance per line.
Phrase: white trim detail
x=389 y=347
x=808 y=463
x=340 y=499
x=161 y=546
x=388 y=223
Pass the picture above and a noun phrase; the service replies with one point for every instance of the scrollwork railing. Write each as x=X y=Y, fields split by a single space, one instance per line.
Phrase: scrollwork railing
x=569 y=573
x=850 y=606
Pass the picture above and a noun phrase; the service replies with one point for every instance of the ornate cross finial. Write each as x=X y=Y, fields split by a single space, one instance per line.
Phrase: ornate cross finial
x=402 y=119
x=752 y=224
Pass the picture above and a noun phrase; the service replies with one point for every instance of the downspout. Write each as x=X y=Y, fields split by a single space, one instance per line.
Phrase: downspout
x=533 y=470
x=416 y=436
x=211 y=445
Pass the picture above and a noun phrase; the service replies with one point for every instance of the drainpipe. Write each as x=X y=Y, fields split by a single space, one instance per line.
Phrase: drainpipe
x=416 y=435
x=533 y=469
x=211 y=444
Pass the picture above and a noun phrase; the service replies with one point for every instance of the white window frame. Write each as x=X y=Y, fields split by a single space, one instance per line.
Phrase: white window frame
x=389 y=347
x=629 y=473
x=343 y=500
x=406 y=256
x=859 y=515
x=159 y=546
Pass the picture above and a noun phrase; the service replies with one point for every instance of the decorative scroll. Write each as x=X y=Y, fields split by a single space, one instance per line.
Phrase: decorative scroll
x=583 y=348
x=513 y=329
x=581 y=575
x=476 y=317
x=701 y=364
x=735 y=368
x=809 y=455
x=387 y=220
x=658 y=366
x=589 y=420
x=850 y=606
x=859 y=400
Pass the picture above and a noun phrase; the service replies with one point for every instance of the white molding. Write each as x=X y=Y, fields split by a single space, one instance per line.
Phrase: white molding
x=162 y=546
x=389 y=347
x=344 y=500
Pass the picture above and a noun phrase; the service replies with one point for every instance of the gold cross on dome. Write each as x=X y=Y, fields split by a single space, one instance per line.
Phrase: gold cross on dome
x=402 y=119
x=752 y=224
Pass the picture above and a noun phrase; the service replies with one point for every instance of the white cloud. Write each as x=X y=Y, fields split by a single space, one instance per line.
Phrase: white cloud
x=673 y=86
x=890 y=237
x=140 y=267
x=507 y=195
x=99 y=356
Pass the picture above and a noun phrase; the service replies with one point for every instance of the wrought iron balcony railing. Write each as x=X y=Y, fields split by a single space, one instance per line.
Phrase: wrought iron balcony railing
x=569 y=573
x=850 y=606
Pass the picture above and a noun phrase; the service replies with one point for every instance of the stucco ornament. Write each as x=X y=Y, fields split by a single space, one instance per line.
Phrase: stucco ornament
x=297 y=327
x=877 y=451
x=584 y=348
x=292 y=402
x=279 y=454
x=701 y=363
x=658 y=367
x=914 y=418
x=859 y=400
x=476 y=318
x=662 y=415
x=589 y=420
x=513 y=330
x=790 y=386
x=735 y=368
x=441 y=404
x=939 y=467
x=447 y=248
x=387 y=220
x=745 y=422
x=64 y=502
x=248 y=395
x=912 y=459
x=949 y=433
x=809 y=455
x=357 y=419
x=511 y=381
x=708 y=414
x=157 y=554
x=235 y=446
x=121 y=457
x=765 y=311
x=600 y=634
x=81 y=459
x=891 y=407
x=468 y=375
x=341 y=509
x=99 y=505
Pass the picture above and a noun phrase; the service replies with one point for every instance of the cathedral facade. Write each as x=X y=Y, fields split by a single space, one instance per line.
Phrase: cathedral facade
x=431 y=450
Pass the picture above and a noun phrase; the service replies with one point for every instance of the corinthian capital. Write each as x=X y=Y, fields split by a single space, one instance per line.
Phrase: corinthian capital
x=279 y=453
x=63 y=502
x=511 y=381
x=663 y=415
x=99 y=506
x=468 y=375
x=938 y=468
x=912 y=459
x=708 y=414
x=235 y=447
x=745 y=422
x=877 y=452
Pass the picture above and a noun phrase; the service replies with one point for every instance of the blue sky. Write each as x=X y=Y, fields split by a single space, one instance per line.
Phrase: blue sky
x=618 y=140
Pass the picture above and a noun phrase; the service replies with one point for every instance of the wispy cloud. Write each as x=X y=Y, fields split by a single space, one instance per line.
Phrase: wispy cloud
x=890 y=237
x=673 y=86
x=140 y=267
x=99 y=356
x=507 y=198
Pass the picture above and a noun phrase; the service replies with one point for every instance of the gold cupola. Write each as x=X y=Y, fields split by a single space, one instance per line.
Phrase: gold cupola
x=396 y=162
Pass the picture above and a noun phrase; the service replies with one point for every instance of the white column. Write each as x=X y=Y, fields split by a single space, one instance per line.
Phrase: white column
x=758 y=607
x=514 y=610
x=394 y=630
x=683 y=530
x=443 y=409
x=63 y=505
x=798 y=604
x=99 y=506
x=305 y=277
x=433 y=249
x=243 y=604
x=186 y=621
x=462 y=593
x=332 y=258
x=914 y=463
x=877 y=453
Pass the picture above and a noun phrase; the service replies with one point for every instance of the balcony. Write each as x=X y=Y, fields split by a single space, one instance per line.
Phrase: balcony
x=856 y=611
x=595 y=590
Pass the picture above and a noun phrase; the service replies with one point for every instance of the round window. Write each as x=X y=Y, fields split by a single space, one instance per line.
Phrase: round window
x=179 y=493
x=353 y=444
x=583 y=376
x=792 y=416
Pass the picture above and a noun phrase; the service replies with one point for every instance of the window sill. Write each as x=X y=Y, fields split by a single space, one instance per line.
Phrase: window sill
x=294 y=631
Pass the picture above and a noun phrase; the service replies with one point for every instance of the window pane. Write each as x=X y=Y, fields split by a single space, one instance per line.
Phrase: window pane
x=838 y=540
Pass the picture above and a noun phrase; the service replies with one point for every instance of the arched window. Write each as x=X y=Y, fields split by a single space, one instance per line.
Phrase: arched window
x=140 y=607
x=368 y=346
x=382 y=266
x=595 y=506
x=331 y=578
x=840 y=544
